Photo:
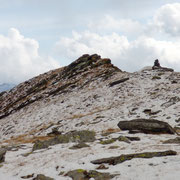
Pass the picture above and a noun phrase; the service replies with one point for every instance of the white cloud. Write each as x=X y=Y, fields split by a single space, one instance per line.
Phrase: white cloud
x=127 y=55
x=19 y=58
x=167 y=19
x=88 y=42
x=109 y=23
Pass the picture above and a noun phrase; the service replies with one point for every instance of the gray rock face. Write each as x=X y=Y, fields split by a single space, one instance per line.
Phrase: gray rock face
x=2 y=154
x=149 y=126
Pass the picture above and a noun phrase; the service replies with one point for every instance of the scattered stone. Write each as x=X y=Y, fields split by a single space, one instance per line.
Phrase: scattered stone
x=177 y=120
x=28 y=176
x=174 y=82
x=80 y=174
x=126 y=157
x=2 y=154
x=108 y=141
x=149 y=126
x=124 y=139
x=73 y=136
x=40 y=145
x=172 y=141
x=113 y=147
x=150 y=112
x=54 y=132
x=102 y=166
x=156 y=77
x=42 y=177
x=79 y=146
x=61 y=173
x=118 y=82
x=172 y=101
x=133 y=138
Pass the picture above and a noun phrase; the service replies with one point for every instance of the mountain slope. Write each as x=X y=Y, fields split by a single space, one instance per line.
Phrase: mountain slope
x=90 y=94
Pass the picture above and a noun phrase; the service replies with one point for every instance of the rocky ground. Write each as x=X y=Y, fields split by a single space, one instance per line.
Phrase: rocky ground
x=60 y=124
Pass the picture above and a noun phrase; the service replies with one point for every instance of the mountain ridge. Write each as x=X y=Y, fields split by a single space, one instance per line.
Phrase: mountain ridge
x=91 y=97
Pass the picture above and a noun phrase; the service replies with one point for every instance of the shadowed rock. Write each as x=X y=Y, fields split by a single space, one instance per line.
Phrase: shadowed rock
x=2 y=154
x=126 y=157
x=118 y=82
x=149 y=126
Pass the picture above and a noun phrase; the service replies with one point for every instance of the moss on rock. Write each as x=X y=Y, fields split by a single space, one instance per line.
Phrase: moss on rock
x=74 y=136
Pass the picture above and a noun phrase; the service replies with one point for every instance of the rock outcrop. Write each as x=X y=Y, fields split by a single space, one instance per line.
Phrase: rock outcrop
x=78 y=74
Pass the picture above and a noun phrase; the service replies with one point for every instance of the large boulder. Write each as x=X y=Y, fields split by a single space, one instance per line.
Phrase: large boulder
x=149 y=126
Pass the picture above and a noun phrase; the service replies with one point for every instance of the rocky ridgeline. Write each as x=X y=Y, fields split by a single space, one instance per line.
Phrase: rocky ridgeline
x=76 y=75
x=90 y=120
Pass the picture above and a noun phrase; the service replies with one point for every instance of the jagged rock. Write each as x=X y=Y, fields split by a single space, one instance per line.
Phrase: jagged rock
x=146 y=126
x=74 y=136
x=172 y=141
x=2 y=154
x=126 y=157
x=42 y=177
x=118 y=82
x=80 y=174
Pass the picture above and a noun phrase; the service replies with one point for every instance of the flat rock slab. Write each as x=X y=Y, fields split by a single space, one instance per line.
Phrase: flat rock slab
x=126 y=157
x=149 y=126
x=118 y=82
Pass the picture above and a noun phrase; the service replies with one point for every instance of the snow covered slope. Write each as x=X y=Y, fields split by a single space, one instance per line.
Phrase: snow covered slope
x=89 y=94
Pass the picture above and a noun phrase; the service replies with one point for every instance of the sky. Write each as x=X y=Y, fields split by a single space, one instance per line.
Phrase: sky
x=39 y=35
